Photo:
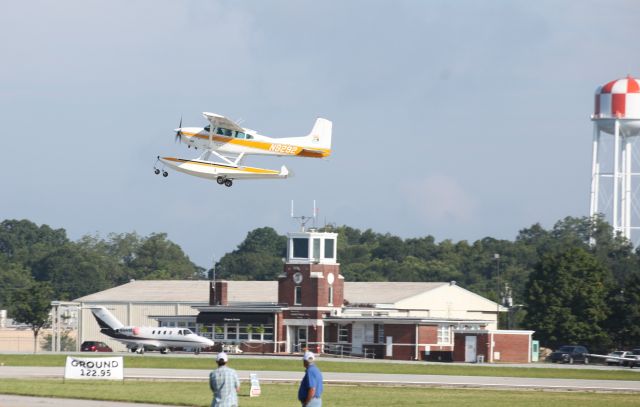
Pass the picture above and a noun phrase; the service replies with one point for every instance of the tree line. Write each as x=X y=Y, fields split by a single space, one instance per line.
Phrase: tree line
x=573 y=283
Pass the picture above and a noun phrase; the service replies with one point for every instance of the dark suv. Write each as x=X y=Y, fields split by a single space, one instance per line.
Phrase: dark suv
x=95 y=346
x=570 y=354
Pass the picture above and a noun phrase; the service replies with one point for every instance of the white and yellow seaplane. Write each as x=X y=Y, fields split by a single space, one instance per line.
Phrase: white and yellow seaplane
x=228 y=143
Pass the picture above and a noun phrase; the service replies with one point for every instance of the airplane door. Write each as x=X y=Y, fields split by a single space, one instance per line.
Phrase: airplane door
x=470 y=345
x=357 y=339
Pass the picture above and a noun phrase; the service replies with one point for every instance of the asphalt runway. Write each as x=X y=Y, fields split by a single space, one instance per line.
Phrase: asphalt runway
x=486 y=382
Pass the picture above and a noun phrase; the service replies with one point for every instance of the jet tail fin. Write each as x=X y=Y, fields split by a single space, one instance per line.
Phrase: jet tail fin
x=105 y=319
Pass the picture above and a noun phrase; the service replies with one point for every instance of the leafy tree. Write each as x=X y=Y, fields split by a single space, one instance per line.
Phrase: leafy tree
x=623 y=323
x=566 y=298
x=13 y=277
x=31 y=306
x=258 y=257
x=73 y=272
x=159 y=258
x=24 y=242
x=67 y=342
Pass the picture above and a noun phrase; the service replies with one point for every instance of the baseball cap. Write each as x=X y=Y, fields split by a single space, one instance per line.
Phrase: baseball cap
x=222 y=356
x=308 y=356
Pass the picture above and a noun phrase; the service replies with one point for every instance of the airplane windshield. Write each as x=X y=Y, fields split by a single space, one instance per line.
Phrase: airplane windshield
x=207 y=128
x=187 y=332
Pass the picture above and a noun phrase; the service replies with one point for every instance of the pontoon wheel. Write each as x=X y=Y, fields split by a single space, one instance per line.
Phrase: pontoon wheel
x=220 y=180
x=228 y=183
x=157 y=171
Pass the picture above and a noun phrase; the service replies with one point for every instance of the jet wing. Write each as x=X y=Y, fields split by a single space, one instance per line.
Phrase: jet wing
x=220 y=121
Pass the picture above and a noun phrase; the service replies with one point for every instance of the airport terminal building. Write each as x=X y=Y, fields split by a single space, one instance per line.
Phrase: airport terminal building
x=311 y=306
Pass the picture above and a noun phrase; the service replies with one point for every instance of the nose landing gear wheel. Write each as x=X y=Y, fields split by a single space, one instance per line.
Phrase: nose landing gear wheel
x=220 y=180
x=228 y=183
x=165 y=174
x=156 y=171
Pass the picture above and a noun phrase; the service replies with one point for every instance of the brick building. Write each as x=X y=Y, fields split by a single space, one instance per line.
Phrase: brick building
x=312 y=306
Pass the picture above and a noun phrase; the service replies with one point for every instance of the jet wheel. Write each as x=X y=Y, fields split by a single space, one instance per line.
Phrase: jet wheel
x=220 y=180
x=165 y=174
x=156 y=171
x=228 y=183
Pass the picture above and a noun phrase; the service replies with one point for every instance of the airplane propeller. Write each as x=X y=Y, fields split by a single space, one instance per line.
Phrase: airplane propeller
x=179 y=132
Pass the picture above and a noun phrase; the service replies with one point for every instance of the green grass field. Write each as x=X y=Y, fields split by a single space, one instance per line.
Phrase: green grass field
x=257 y=364
x=198 y=394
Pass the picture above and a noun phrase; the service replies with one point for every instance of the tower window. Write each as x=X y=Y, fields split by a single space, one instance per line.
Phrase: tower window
x=328 y=248
x=330 y=295
x=297 y=300
x=300 y=248
x=316 y=249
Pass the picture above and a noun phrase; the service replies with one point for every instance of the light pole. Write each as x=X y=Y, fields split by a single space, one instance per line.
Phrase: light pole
x=496 y=256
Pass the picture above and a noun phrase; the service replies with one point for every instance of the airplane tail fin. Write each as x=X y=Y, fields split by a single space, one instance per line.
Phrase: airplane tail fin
x=320 y=135
x=105 y=319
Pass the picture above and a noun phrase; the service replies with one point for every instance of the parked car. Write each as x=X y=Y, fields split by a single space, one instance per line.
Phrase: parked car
x=619 y=354
x=95 y=346
x=570 y=354
x=634 y=354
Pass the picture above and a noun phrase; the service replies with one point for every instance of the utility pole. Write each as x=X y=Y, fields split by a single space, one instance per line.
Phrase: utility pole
x=496 y=256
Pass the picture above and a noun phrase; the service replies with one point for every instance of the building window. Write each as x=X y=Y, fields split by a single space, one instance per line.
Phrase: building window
x=368 y=333
x=343 y=333
x=316 y=249
x=444 y=334
x=330 y=299
x=232 y=332
x=381 y=334
x=328 y=248
x=300 y=248
x=297 y=300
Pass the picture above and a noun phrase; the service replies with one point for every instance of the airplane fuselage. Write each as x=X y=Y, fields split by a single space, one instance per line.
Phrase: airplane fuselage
x=160 y=337
x=249 y=143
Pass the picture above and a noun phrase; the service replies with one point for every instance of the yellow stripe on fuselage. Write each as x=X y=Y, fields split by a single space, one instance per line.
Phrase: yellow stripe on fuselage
x=275 y=148
x=253 y=170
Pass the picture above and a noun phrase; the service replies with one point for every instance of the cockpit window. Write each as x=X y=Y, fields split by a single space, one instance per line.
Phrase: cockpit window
x=249 y=137
x=225 y=132
x=207 y=128
x=240 y=134
x=187 y=332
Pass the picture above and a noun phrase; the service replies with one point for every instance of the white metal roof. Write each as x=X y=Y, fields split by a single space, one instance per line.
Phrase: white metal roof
x=197 y=291
x=384 y=292
x=189 y=291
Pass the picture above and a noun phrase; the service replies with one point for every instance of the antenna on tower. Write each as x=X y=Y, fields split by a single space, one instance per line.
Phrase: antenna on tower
x=303 y=220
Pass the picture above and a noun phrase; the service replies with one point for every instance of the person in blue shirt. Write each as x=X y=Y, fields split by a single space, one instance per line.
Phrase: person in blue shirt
x=310 y=391
x=224 y=384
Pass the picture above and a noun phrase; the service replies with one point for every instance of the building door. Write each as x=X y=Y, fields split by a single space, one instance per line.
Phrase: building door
x=470 y=345
x=300 y=339
x=357 y=339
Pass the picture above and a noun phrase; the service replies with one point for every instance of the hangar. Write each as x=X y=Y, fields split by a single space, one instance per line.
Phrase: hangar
x=312 y=307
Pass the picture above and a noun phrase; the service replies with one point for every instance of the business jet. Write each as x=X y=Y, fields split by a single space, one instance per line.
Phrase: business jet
x=137 y=338
x=226 y=142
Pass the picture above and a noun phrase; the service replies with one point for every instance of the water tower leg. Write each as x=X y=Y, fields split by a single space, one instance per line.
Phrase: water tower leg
x=595 y=172
x=616 y=176
x=627 y=187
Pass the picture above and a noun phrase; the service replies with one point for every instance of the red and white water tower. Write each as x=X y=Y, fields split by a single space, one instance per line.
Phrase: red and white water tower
x=613 y=190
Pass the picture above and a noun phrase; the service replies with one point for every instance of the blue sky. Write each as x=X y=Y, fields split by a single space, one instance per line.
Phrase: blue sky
x=458 y=119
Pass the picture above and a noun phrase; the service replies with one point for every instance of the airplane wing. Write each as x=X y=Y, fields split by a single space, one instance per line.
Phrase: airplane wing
x=220 y=121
